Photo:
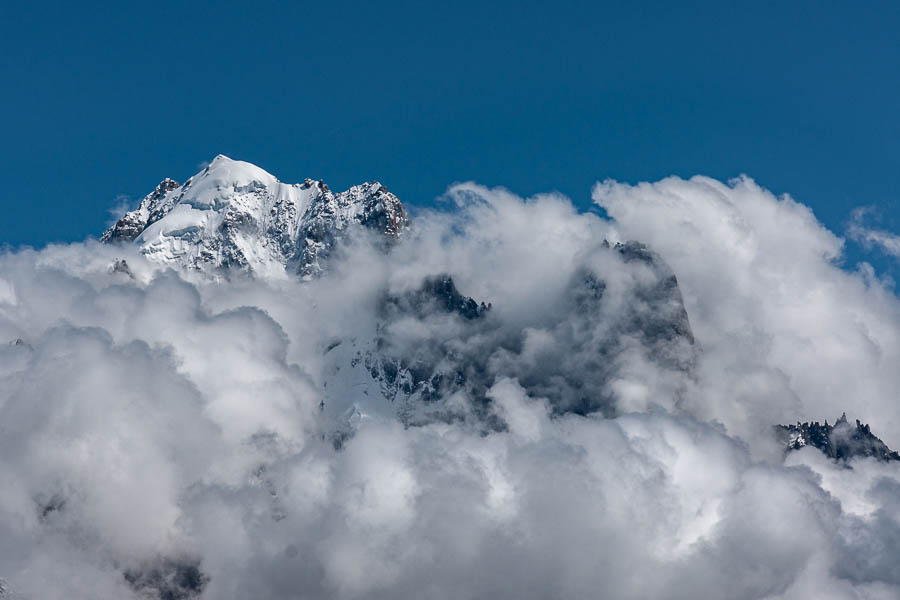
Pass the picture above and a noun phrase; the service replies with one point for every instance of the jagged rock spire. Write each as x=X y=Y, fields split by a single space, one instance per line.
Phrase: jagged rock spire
x=840 y=441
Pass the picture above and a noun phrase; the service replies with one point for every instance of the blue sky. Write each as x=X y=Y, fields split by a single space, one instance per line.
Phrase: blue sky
x=105 y=100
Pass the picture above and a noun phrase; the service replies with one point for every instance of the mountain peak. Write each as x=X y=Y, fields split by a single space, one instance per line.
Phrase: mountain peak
x=840 y=441
x=233 y=214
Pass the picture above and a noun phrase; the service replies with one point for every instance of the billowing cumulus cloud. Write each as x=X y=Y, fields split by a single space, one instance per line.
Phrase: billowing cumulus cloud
x=786 y=333
x=164 y=431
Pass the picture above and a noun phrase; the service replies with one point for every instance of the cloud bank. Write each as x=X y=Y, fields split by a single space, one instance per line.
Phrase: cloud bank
x=163 y=431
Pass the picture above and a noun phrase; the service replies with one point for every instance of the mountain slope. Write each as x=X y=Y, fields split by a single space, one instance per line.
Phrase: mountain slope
x=437 y=352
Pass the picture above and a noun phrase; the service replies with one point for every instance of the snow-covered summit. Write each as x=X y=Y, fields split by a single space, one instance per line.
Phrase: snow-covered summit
x=235 y=214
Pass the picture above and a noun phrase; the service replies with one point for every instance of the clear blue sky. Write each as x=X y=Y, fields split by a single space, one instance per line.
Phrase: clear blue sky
x=104 y=100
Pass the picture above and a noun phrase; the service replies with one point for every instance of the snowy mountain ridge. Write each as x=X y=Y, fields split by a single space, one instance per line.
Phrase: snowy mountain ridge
x=234 y=214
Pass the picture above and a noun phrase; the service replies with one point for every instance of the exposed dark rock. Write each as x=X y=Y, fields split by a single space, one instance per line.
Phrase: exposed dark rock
x=589 y=340
x=841 y=441
x=436 y=294
x=134 y=222
x=586 y=340
x=168 y=579
x=121 y=266
x=330 y=217
x=416 y=375
x=48 y=506
x=658 y=324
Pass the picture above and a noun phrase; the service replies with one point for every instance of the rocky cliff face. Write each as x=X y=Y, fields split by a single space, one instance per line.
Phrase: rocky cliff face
x=437 y=351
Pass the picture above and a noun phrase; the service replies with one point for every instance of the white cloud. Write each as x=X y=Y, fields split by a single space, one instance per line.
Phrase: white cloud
x=162 y=416
x=787 y=334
